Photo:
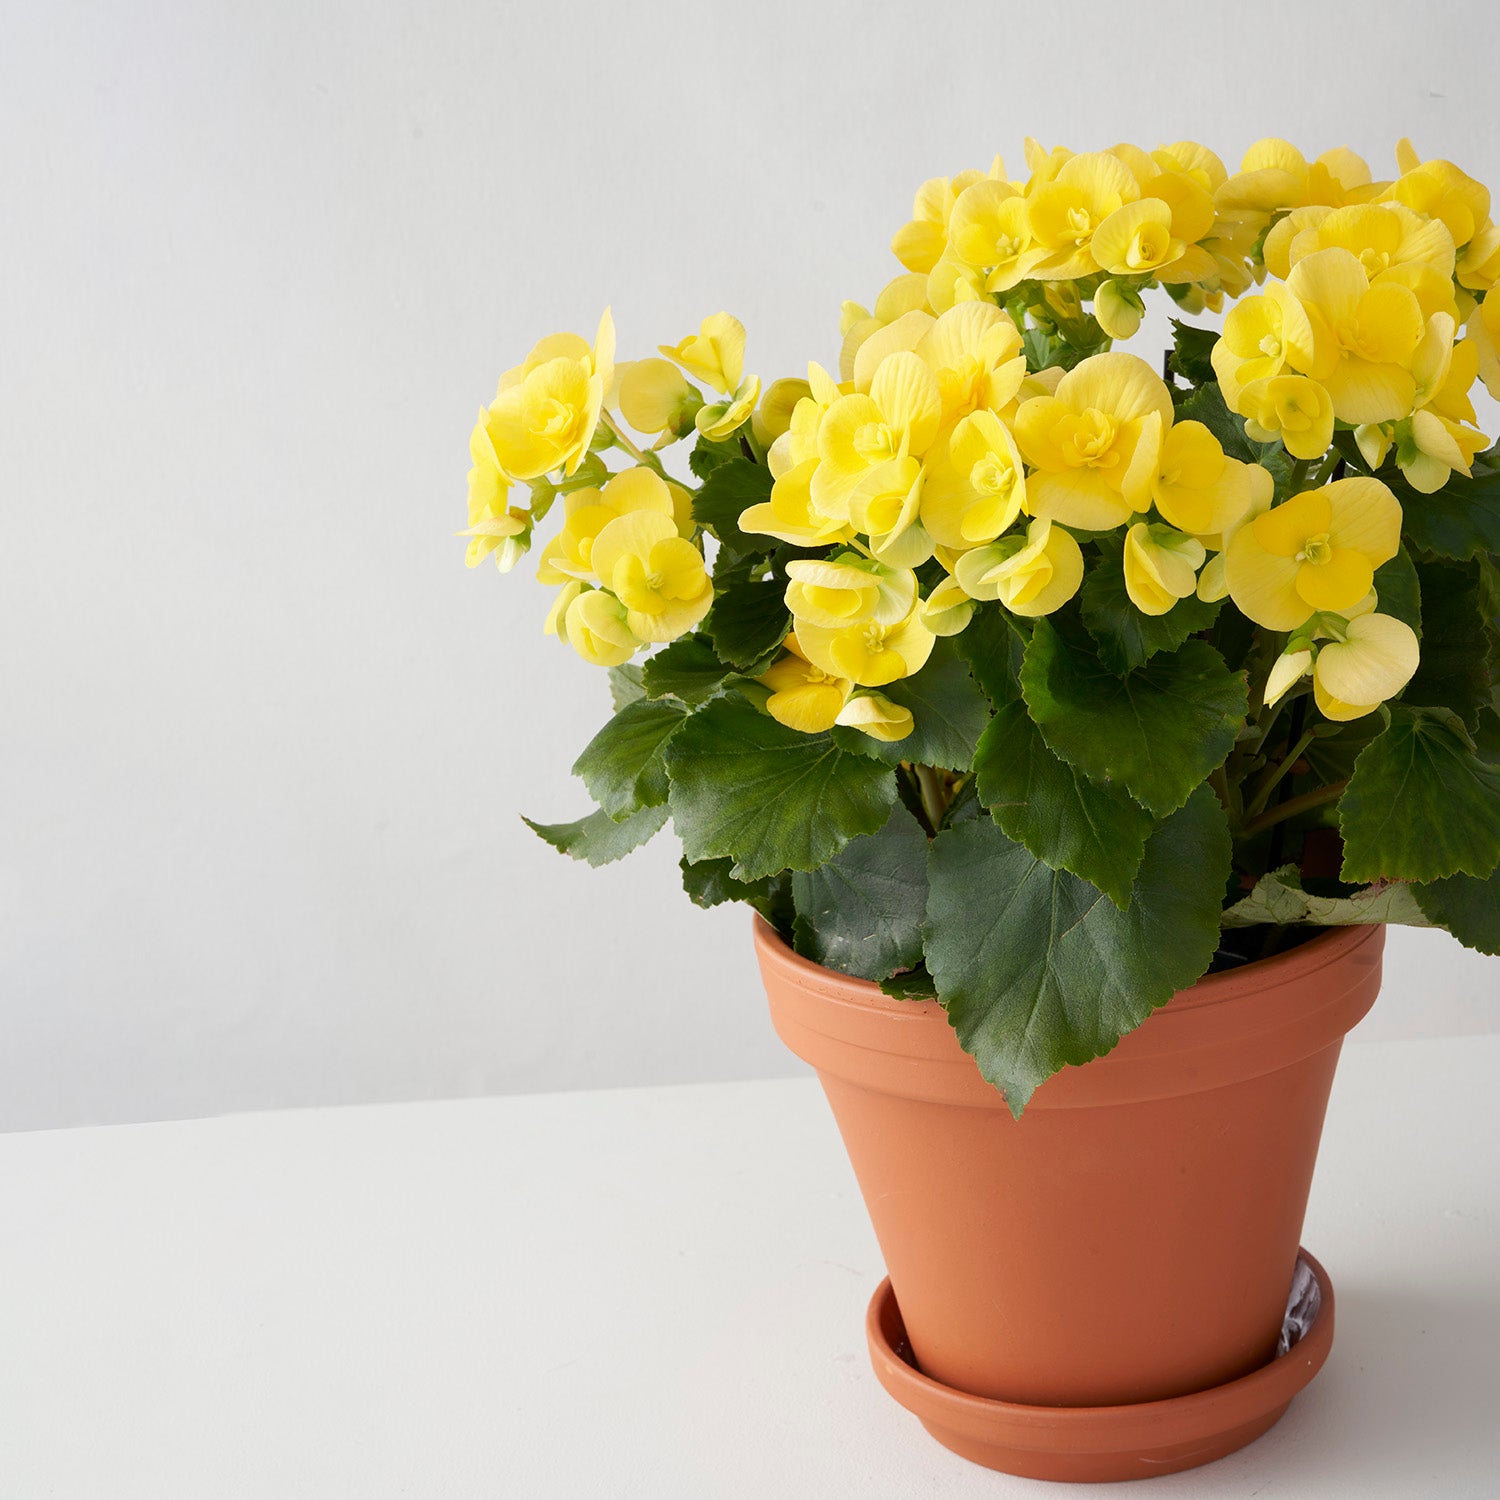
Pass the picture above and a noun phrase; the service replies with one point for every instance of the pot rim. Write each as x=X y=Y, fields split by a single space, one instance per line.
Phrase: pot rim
x=1223 y=1030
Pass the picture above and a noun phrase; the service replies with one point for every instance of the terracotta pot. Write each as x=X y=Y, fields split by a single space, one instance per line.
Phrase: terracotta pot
x=1132 y=1238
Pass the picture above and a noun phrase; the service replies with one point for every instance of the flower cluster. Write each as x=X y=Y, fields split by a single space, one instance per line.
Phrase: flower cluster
x=982 y=442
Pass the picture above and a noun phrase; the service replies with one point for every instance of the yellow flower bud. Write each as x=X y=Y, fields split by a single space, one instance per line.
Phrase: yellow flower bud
x=595 y=627
x=875 y=715
x=947 y=610
x=1118 y=309
x=654 y=397
x=1031 y=576
x=1161 y=567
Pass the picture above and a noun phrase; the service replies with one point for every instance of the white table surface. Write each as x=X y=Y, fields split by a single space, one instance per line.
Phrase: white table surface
x=652 y=1293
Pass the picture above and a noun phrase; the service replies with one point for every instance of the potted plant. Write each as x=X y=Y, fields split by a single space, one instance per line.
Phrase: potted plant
x=1073 y=728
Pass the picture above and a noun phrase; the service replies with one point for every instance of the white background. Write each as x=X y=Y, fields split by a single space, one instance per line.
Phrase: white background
x=263 y=741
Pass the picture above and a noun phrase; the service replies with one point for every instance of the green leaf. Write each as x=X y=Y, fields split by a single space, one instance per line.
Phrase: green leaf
x=1206 y=405
x=622 y=765
x=1399 y=590
x=1097 y=832
x=1160 y=731
x=708 y=455
x=912 y=984
x=749 y=789
x=1469 y=908
x=625 y=685
x=1421 y=805
x=729 y=490
x=1192 y=349
x=862 y=911
x=1126 y=638
x=749 y=620
x=1454 y=671
x=598 y=838
x=711 y=883
x=1278 y=900
x=687 y=669
x=993 y=648
x=1461 y=519
x=948 y=711
x=1045 y=971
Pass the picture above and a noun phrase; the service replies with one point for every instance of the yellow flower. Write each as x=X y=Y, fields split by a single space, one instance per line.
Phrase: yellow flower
x=1317 y=551
x=899 y=417
x=1196 y=487
x=898 y=297
x=654 y=397
x=588 y=511
x=1275 y=175
x=544 y=414
x=1191 y=160
x=1137 y=240
x=1095 y=443
x=804 y=697
x=657 y=575
x=489 y=484
x=505 y=536
x=868 y=653
x=919 y=244
x=1375 y=331
x=1065 y=212
x=1391 y=242
x=990 y=231
x=1373 y=661
x=715 y=354
x=1030 y=576
x=950 y=282
x=848 y=590
x=790 y=516
x=1118 y=309
x=720 y=418
x=1484 y=333
x=947 y=610
x=1479 y=266
x=875 y=715
x=884 y=507
x=800 y=441
x=1290 y=407
x=975 y=351
x=977 y=488
x=1264 y=337
x=774 y=414
x=1439 y=190
x=1161 y=567
x=595 y=625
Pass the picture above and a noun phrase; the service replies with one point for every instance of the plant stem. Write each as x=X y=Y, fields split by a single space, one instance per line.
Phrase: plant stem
x=1318 y=797
x=934 y=790
x=650 y=460
x=1262 y=793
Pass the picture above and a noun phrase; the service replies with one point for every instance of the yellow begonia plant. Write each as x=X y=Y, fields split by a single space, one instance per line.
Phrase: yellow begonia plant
x=1001 y=617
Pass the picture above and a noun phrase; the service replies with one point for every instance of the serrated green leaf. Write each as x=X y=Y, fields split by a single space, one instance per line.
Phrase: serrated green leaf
x=862 y=911
x=625 y=685
x=1469 y=908
x=1421 y=804
x=710 y=883
x=1042 y=970
x=994 y=648
x=948 y=712
x=1192 y=350
x=1097 y=832
x=1126 y=638
x=1159 y=731
x=749 y=619
x=746 y=788
x=708 y=455
x=687 y=669
x=622 y=765
x=1454 y=670
x=912 y=984
x=599 y=839
x=729 y=490
x=1278 y=900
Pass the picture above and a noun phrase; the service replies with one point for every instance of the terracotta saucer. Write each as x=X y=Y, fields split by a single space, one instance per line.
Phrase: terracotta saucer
x=1099 y=1442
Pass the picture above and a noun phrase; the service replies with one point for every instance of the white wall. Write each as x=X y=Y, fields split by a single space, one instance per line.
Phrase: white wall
x=263 y=742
